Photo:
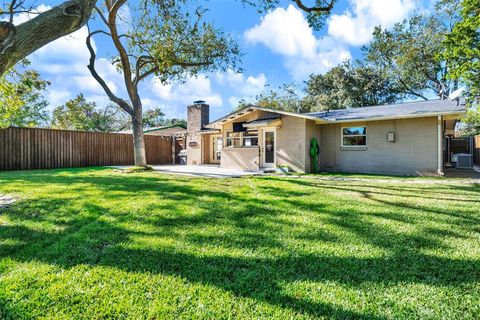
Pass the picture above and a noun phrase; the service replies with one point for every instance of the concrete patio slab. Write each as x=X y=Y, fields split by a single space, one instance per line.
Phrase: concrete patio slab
x=206 y=171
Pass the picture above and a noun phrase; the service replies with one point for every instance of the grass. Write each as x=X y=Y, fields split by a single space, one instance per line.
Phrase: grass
x=98 y=244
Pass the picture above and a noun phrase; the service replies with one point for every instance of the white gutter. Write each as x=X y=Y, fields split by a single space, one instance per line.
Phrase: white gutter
x=399 y=117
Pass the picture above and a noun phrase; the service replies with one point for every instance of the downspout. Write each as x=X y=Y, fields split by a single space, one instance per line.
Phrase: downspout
x=439 y=146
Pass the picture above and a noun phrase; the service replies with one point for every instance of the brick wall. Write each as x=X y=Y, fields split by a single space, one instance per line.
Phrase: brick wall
x=197 y=117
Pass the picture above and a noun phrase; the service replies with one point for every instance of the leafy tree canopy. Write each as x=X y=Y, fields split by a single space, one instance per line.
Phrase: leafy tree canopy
x=472 y=122
x=408 y=55
x=462 y=48
x=84 y=115
x=348 y=85
x=21 y=101
x=156 y=118
x=286 y=98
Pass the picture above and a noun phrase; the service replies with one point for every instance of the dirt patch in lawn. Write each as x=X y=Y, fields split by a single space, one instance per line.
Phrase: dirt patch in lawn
x=6 y=200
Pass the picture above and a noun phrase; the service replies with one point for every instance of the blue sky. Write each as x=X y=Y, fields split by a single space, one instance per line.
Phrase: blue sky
x=279 y=48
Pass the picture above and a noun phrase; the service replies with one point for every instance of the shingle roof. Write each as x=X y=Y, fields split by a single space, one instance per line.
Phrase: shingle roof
x=401 y=110
x=180 y=129
x=236 y=114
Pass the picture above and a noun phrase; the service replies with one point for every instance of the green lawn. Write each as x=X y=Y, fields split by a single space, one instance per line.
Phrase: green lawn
x=96 y=244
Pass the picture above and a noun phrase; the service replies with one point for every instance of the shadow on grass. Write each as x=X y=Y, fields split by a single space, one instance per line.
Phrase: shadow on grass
x=94 y=235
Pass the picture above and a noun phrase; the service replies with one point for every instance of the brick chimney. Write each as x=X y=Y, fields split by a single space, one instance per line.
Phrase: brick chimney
x=198 y=115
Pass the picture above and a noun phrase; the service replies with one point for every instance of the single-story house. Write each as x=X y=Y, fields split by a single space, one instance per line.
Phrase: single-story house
x=405 y=139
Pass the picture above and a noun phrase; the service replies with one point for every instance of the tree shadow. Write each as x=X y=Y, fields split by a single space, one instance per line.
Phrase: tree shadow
x=95 y=234
x=404 y=197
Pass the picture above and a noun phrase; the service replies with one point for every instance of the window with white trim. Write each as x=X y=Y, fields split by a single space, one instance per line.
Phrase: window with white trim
x=354 y=137
x=250 y=138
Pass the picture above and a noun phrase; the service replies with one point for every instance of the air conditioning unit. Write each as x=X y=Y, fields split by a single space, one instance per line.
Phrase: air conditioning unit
x=463 y=160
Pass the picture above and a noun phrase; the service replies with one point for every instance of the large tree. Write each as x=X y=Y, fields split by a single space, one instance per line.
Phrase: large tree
x=408 y=55
x=166 y=39
x=462 y=48
x=156 y=118
x=153 y=118
x=18 y=41
x=349 y=85
x=286 y=98
x=21 y=99
x=81 y=114
x=472 y=121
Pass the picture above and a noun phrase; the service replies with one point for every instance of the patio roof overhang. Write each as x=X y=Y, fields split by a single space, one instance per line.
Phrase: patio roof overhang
x=208 y=131
x=237 y=114
x=271 y=122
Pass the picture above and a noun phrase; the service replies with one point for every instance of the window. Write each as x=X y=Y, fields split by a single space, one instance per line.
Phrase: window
x=250 y=139
x=233 y=139
x=217 y=148
x=354 y=136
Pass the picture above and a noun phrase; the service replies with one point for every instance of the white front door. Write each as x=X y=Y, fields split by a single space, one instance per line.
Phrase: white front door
x=269 y=148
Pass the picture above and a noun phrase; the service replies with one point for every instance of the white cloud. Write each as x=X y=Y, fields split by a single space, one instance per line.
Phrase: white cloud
x=124 y=18
x=355 y=26
x=57 y=97
x=67 y=49
x=321 y=63
x=242 y=87
x=23 y=17
x=64 y=63
x=195 y=88
x=233 y=101
x=246 y=86
x=286 y=32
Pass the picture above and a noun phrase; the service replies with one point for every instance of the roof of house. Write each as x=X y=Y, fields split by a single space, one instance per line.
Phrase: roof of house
x=175 y=127
x=416 y=109
x=394 y=111
x=241 y=112
x=208 y=131
x=261 y=122
x=172 y=129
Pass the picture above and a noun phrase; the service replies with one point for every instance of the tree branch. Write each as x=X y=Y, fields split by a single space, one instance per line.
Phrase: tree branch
x=410 y=91
x=102 y=16
x=307 y=9
x=142 y=76
x=91 y=66
x=126 y=66
x=17 y=42
x=142 y=61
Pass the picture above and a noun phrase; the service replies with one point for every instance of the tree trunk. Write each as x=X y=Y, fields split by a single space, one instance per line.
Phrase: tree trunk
x=17 y=42
x=138 y=139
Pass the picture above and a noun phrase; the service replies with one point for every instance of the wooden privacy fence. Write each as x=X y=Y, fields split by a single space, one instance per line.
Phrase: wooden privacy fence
x=28 y=148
